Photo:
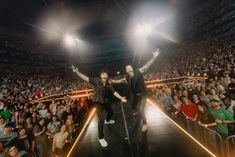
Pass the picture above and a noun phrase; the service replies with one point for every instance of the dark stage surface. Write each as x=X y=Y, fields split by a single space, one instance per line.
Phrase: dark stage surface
x=163 y=138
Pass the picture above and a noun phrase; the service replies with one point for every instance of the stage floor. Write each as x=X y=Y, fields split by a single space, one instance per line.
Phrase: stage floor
x=163 y=138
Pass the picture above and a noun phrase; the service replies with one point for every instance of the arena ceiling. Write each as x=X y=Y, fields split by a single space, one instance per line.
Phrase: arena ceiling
x=107 y=18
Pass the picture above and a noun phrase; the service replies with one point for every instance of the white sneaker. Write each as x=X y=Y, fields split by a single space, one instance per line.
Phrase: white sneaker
x=109 y=122
x=103 y=143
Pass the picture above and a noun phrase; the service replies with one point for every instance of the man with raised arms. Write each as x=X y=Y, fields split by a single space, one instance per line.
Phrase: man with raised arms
x=135 y=81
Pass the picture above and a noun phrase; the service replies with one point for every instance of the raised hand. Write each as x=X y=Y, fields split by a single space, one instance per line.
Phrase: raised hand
x=123 y=99
x=73 y=68
x=156 y=52
x=17 y=113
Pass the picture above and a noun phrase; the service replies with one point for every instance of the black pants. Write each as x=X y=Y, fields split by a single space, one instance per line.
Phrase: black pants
x=138 y=104
x=101 y=108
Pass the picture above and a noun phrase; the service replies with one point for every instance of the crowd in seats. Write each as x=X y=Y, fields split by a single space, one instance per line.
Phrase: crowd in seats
x=36 y=129
x=32 y=82
x=209 y=102
x=202 y=59
x=214 y=20
x=25 y=126
x=212 y=12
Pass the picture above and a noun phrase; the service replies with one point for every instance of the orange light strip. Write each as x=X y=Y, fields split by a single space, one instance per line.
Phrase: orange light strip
x=92 y=113
x=155 y=105
x=74 y=96
x=90 y=89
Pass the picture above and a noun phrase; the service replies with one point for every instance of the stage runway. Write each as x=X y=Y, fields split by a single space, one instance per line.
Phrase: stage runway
x=163 y=138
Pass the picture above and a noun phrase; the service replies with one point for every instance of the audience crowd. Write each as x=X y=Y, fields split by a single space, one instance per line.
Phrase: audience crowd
x=37 y=129
x=29 y=128
x=209 y=102
x=41 y=129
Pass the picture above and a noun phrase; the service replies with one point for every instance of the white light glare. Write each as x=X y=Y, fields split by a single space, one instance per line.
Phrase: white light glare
x=69 y=40
x=144 y=29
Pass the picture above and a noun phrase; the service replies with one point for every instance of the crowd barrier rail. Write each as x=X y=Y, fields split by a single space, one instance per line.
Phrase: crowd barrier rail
x=208 y=137
x=230 y=146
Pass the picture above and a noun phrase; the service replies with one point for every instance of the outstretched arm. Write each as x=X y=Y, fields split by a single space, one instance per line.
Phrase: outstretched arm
x=122 y=80
x=150 y=62
x=81 y=75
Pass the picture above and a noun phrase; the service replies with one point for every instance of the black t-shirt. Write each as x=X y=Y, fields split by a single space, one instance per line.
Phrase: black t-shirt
x=136 y=83
x=65 y=116
x=101 y=93
x=21 y=144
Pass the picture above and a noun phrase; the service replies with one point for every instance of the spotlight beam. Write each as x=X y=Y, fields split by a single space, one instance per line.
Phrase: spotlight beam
x=166 y=37
x=42 y=29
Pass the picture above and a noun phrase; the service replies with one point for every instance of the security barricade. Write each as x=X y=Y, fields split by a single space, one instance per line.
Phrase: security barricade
x=230 y=146
x=208 y=137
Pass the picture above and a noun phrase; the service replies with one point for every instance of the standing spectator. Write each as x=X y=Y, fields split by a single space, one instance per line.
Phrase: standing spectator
x=165 y=101
x=70 y=126
x=176 y=103
x=60 y=109
x=6 y=113
x=204 y=98
x=226 y=79
x=7 y=134
x=184 y=94
x=188 y=109
x=23 y=141
x=228 y=104
x=66 y=114
x=29 y=128
x=196 y=100
x=52 y=107
x=222 y=118
x=43 y=111
x=13 y=151
x=53 y=126
x=205 y=118
x=59 y=141
x=39 y=131
x=213 y=95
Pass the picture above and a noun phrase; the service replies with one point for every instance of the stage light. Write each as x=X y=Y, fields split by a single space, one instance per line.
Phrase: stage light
x=143 y=30
x=151 y=24
x=69 y=40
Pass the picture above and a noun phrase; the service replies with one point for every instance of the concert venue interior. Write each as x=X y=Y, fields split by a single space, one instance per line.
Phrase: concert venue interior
x=117 y=78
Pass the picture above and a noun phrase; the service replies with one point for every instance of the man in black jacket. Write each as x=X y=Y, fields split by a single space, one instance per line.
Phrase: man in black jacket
x=135 y=80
